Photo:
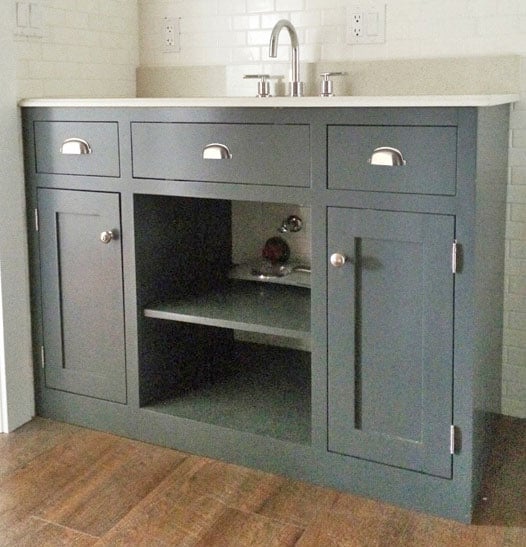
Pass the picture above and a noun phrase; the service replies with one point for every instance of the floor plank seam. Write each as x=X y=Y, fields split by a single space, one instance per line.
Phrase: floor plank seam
x=58 y=525
x=255 y=513
x=26 y=463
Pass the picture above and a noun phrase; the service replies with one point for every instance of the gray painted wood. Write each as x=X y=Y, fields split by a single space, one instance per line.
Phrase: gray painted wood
x=82 y=293
x=390 y=336
x=430 y=153
x=158 y=220
x=250 y=306
x=102 y=138
x=272 y=155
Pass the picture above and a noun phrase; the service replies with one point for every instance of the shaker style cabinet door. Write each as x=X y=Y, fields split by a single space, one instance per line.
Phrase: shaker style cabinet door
x=82 y=293
x=390 y=305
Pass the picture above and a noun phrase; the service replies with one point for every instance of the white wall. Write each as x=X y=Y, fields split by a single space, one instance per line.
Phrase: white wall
x=88 y=48
x=236 y=33
x=16 y=384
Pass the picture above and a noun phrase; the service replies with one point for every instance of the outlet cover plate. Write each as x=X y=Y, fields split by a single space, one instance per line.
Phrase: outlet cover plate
x=171 y=35
x=366 y=23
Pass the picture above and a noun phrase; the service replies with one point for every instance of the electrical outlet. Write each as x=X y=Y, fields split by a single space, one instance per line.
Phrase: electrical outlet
x=170 y=35
x=366 y=23
x=356 y=28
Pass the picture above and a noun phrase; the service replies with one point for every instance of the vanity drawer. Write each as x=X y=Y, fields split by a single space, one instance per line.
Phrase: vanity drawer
x=77 y=148
x=265 y=154
x=429 y=154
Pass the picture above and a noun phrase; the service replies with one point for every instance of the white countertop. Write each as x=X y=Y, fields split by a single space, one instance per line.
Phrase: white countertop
x=282 y=102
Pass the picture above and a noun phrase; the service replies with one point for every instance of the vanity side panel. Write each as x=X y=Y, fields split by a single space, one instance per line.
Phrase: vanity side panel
x=34 y=251
x=490 y=226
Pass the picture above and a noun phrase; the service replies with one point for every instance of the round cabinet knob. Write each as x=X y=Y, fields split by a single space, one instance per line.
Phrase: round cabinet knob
x=106 y=236
x=338 y=260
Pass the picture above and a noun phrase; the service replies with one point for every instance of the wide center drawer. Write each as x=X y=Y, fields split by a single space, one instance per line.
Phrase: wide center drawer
x=265 y=154
x=77 y=148
x=424 y=159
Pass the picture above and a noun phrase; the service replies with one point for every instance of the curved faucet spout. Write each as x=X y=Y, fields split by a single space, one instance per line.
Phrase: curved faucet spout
x=296 y=85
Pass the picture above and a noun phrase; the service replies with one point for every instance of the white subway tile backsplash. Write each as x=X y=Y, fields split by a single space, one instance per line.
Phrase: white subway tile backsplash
x=498 y=25
x=518 y=212
x=511 y=7
x=517 y=285
x=518 y=175
x=246 y=22
x=514 y=338
x=232 y=7
x=261 y=38
x=290 y=5
x=88 y=49
x=518 y=249
x=196 y=8
x=516 y=230
x=320 y=4
x=515 y=266
x=246 y=55
x=519 y=138
x=482 y=8
x=206 y=25
x=517 y=157
x=515 y=390
x=331 y=16
x=307 y=19
x=516 y=358
x=268 y=20
x=260 y=6
x=513 y=407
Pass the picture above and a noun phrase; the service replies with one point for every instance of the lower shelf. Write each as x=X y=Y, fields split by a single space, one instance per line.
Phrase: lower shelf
x=266 y=393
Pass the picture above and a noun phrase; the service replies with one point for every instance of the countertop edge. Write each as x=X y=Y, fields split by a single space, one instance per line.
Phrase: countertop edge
x=278 y=102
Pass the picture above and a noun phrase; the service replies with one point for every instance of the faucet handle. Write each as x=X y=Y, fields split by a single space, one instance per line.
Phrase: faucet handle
x=263 y=84
x=326 y=83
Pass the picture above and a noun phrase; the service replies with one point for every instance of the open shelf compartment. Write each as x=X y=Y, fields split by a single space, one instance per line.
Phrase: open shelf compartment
x=219 y=351
x=249 y=306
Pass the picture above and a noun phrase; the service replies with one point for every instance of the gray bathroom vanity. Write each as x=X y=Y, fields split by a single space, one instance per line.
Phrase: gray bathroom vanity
x=138 y=322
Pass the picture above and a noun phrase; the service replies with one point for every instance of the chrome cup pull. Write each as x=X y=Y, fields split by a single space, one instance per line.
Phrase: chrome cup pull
x=385 y=155
x=106 y=236
x=75 y=146
x=216 y=151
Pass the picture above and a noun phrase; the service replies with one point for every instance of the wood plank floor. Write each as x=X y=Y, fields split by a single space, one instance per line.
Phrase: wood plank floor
x=66 y=485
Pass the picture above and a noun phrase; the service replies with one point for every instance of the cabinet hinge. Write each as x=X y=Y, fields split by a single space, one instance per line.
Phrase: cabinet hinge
x=42 y=357
x=454 y=253
x=37 y=227
x=454 y=440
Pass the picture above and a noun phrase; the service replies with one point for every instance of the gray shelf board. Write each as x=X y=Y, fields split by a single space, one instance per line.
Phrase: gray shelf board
x=267 y=392
x=247 y=306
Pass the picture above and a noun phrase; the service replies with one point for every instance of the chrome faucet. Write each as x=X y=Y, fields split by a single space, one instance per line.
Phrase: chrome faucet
x=296 y=86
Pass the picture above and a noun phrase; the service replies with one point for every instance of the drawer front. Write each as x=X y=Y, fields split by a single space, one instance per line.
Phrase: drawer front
x=265 y=154
x=77 y=148
x=429 y=154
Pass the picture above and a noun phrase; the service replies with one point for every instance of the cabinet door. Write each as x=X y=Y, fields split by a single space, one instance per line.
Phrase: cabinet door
x=390 y=311
x=82 y=293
